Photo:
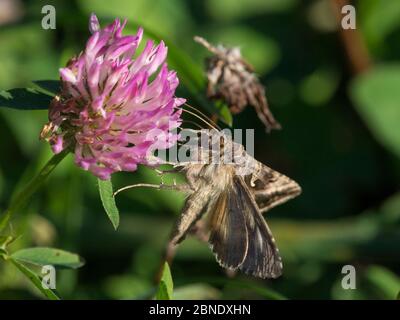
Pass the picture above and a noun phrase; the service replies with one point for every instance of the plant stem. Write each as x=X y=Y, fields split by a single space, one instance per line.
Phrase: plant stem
x=354 y=44
x=20 y=200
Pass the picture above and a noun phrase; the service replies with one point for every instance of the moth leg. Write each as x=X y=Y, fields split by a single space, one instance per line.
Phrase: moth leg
x=192 y=180
x=177 y=187
x=199 y=230
x=162 y=172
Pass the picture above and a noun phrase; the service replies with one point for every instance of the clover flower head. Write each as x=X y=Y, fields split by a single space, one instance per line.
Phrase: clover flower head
x=115 y=110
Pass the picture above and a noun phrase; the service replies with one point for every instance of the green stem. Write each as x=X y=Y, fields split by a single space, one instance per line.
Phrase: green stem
x=20 y=200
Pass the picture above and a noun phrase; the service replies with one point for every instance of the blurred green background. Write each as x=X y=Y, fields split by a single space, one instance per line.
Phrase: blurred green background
x=340 y=141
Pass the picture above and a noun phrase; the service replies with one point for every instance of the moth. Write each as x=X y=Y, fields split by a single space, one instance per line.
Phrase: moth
x=232 y=190
x=232 y=79
x=233 y=195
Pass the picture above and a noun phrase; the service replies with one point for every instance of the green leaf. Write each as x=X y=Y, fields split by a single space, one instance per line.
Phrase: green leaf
x=50 y=87
x=262 y=52
x=377 y=95
x=24 y=99
x=224 y=112
x=20 y=199
x=386 y=281
x=108 y=200
x=177 y=11
x=229 y=10
x=42 y=256
x=166 y=286
x=197 y=291
x=378 y=20
x=5 y=241
x=35 y=280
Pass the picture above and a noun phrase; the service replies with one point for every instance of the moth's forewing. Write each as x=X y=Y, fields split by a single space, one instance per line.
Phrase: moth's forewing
x=195 y=206
x=271 y=188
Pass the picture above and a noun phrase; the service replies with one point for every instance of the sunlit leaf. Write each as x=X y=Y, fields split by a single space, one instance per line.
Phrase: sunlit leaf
x=108 y=200
x=176 y=11
x=5 y=241
x=49 y=256
x=379 y=19
x=387 y=282
x=35 y=280
x=377 y=95
x=262 y=52
x=166 y=286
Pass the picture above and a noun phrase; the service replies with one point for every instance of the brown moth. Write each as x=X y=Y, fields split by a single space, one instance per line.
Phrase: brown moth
x=233 y=80
x=233 y=195
x=232 y=190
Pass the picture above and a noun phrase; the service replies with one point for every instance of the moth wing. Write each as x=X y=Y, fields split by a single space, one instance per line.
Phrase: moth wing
x=195 y=206
x=228 y=233
x=240 y=237
x=262 y=258
x=271 y=188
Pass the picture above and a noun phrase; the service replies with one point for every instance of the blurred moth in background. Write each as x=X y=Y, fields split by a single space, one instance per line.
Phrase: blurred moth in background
x=232 y=190
x=233 y=80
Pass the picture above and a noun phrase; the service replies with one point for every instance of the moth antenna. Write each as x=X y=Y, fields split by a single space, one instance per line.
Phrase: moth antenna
x=206 y=44
x=200 y=118
x=193 y=123
x=203 y=115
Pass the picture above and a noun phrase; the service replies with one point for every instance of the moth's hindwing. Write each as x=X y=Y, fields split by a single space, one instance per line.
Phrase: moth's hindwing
x=263 y=259
x=228 y=232
x=240 y=237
